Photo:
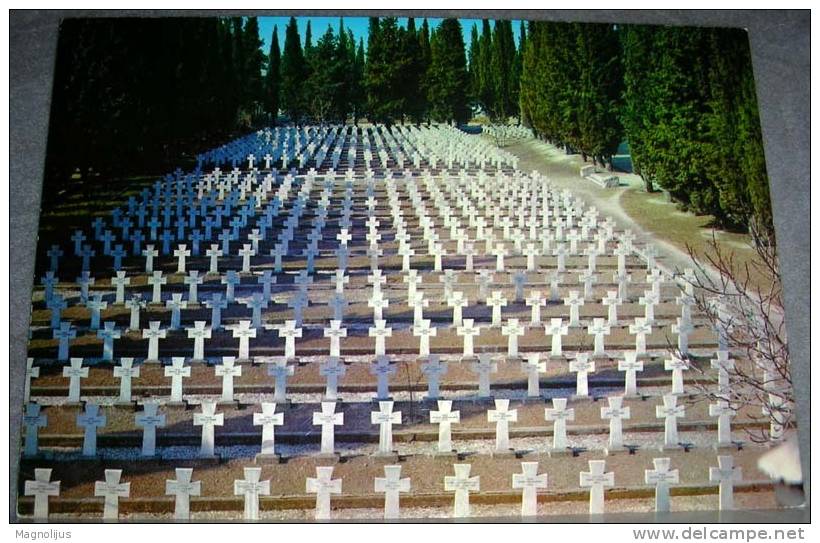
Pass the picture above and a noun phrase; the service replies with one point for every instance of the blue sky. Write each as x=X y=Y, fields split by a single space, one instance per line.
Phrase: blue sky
x=357 y=24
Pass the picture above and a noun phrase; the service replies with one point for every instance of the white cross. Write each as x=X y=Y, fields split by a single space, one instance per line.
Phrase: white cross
x=724 y=412
x=332 y=369
x=176 y=371
x=31 y=372
x=630 y=365
x=199 y=333
x=149 y=420
x=323 y=486
x=385 y=417
x=512 y=330
x=75 y=373
x=533 y=366
x=156 y=281
x=327 y=419
x=244 y=332
x=64 y=334
x=41 y=488
x=214 y=253
x=268 y=419
x=502 y=416
x=251 y=488
x=182 y=488
x=484 y=367
x=392 y=484
x=280 y=372
x=677 y=366
x=457 y=301
x=290 y=332
x=228 y=370
x=683 y=328
x=574 y=302
x=670 y=411
x=112 y=490
x=640 y=329
x=445 y=418
x=649 y=300
x=496 y=301
x=726 y=474
x=335 y=332
x=468 y=330
x=599 y=328
x=433 y=369
x=529 y=482
x=557 y=329
x=208 y=418
x=382 y=369
x=560 y=415
x=120 y=282
x=661 y=477
x=616 y=413
x=246 y=252
x=461 y=484
x=724 y=365
x=596 y=480
x=535 y=300
x=424 y=332
x=181 y=253
x=379 y=304
x=612 y=302
x=153 y=334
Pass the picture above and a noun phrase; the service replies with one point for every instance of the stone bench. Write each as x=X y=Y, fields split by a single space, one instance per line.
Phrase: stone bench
x=603 y=180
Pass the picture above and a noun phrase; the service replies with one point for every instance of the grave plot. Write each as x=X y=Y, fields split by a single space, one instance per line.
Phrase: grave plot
x=345 y=323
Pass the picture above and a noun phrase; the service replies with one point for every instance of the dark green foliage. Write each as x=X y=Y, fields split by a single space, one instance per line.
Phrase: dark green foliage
x=294 y=74
x=385 y=71
x=447 y=76
x=273 y=77
x=502 y=69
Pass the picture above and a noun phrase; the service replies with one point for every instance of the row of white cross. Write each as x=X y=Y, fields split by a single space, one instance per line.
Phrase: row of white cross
x=150 y=419
x=252 y=488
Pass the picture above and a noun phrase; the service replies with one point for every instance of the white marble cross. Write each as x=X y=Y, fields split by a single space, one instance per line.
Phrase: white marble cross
x=599 y=328
x=208 y=419
x=335 y=332
x=199 y=333
x=726 y=475
x=323 y=486
x=612 y=301
x=616 y=413
x=670 y=411
x=75 y=372
x=327 y=419
x=683 y=328
x=484 y=367
x=512 y=330
x=126 y=371
x=228 y=370
x=462 y=484
x=181 y=253
x=496 y=301
x=582 y=366
x=332 y=369
x=468 y=330
x=193 y=279
x=445 y=418
x=153 y=334
x=529 y=482
x=380 y=332
x=156 y=281
x=535 y=300
x=246 y=252
x=213 y=254
x=108 y=334
x=41 y=488
x=385 y=417
x=64 y=334
x=661 y=477
x=424 y=332
x=150 y=419
x=556 y=329
x=176 y=371
x=502 y=416
x=724 y=365
x=290 y=332
x=596 y=480
x=575 y=301
x=182 y=488
x=244 y=331
x=251 y=488
x=630 y=365
x=338 y=304
x=33 y=421
x=433 y=369
x=533 y=366
x=724 y=413
x=268 y=419
x=677 y=366
x=560 y=415
x=457 y=301
x=649 y=300
x=640 y=329
x=382 y=369
x=280 y=370
x=392 y=484
x=112 y=490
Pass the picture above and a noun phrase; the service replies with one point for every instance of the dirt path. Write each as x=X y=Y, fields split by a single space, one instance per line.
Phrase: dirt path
x=650 y=216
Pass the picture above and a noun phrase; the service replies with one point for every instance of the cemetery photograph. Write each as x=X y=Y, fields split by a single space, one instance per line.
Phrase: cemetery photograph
x=381 y=268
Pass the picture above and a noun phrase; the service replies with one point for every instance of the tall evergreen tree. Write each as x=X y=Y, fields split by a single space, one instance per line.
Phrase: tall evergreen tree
x=385 y=71
x=473 y=64
x=294 y=73
x=502 y=60
x=485 y=87
x=447 y=75
x=273 y=76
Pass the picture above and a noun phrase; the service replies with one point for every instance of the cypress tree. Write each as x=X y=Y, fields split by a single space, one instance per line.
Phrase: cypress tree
x=448 y=81
x=273 y=77
x=294 y=73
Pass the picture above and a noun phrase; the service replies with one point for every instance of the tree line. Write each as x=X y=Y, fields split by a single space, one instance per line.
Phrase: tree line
x=136 y=94
x=682 y=97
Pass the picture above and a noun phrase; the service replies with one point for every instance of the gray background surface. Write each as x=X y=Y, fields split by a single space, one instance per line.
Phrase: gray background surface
x=780 y=42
